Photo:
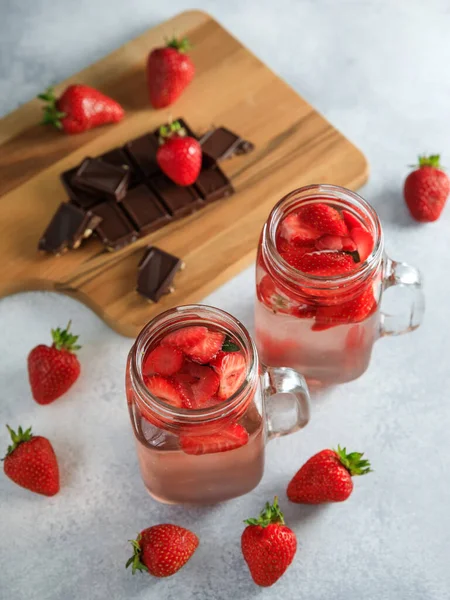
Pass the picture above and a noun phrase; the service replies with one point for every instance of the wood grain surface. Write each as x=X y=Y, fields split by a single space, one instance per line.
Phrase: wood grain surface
x=294 y=146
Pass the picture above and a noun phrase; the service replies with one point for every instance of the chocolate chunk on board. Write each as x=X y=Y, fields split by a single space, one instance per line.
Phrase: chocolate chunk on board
x=115 y=230
x=183 y=124
x=179 y=200
x=212 y=183
x=79 y=197
x=156 y=271
x=142 y=153
x=144 y=209
x=119 y=158
x=222 y=143
x=68 y=227
x=101 y=178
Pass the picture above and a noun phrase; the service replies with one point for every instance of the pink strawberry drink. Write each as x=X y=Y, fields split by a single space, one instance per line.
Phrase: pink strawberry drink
x=320 y=273
x=196 y=400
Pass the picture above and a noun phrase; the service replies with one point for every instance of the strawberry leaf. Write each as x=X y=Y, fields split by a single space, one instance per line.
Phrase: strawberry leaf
x=18 y=438
x=229 y=345
x=135 y=560
x=353 y=462
x=270 y=514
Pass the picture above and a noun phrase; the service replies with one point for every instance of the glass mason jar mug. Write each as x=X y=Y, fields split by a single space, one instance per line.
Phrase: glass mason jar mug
x=321 y=324
x=213 y=452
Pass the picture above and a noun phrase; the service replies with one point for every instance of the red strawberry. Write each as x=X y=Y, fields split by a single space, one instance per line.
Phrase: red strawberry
x=169 y=72
x=185 y=337
x=350 y=220
x=179 y=156
x=162 y=550
x=295 y=232
x=268 y=545
x=80 y=108
x=165 y=389
x=323 y=218
x=326 y=263
x=163 y=360
x=268 y=295
x=31 y=463
x=52 y=370
x=294 y=254
x=330 y=242
x=327 y=477
x=205 y=350
x=354 y=311
x=363 y=241
x=232 y=369
x=230 y=437
x=204 y=386
x=426 y=189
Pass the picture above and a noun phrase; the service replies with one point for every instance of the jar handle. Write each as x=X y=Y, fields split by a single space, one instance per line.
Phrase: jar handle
x=287 y=401
x=406 y=276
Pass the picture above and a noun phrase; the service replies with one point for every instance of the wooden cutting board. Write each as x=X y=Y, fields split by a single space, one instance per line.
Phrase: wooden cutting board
x=294 y=146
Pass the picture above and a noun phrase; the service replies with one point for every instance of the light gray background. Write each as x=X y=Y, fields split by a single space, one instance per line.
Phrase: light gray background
x=379 y=72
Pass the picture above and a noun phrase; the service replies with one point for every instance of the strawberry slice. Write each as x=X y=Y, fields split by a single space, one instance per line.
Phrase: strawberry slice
x=294 y=254
x=163 y=360
x=165 y=389
x=185 y=338
x=363 y=241
x=203 y=384
x=350 y=220
x=329 y=242
x=326 y=263
x=354 y=311
x=232 y=369
x=322 y=218
x=207 y=348
x=268 y=294
x=294 y=232
x=229 y=438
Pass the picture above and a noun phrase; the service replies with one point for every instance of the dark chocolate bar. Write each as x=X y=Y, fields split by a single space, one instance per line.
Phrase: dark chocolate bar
x=119 y=158
x=212 y=183
x=156 y=271
x=144 y=209
x=78 y=197
x=68 y=227
x=116 y=230
x=101 y=178
x=179 y=200
x=183 y=124
x=222 y=143
x=142 y=152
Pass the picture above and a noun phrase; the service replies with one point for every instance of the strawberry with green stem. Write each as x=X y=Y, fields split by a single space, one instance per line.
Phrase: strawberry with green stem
x=179 y=156
x=426 y=189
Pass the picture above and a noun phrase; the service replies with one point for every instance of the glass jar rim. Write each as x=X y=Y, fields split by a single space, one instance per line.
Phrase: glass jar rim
x=199 y=415
x=312 y=193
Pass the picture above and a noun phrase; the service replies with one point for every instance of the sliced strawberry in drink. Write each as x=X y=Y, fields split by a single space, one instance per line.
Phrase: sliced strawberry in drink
x=294 y=232
x=348 y=245
x=185 y=337
x=363 y=241
x=204 y=385
x=326 y=263
x=231 y=368
x=163 y=360
x=165 y=389
x=294 y=254
x=229 y=438
x=329 y=242
x=354 y=311
x=350 y=220
x=207 y=348
x=323 y=218
x=268 y=294
x=304 y=311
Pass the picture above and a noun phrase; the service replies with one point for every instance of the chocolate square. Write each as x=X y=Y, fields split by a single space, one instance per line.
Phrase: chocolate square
x=222 y=143
x=156 y=271
x=144 y=209
x=142 y=152
x=212 y=183
x=69 y=225
x=179 y=200
x=102 y=179
x=119 y=158
x=115 y=230
x=77 y=196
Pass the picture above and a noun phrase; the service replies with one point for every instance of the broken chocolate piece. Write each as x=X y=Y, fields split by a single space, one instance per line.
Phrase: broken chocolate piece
x=69 y=225
x=78 y=197
x=102 y=179
x=144 y=209
x=156 y=271
x=212 y=183
x=222 y=143
x=116 y=231
x=119 y=158
x=179 y=200
x=142 y=152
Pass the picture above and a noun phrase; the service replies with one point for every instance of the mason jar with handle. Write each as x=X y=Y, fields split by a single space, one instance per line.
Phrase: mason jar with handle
x=324 y=326
x=213 y=452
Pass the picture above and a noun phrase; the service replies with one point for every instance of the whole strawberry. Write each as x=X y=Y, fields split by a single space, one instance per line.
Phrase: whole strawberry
x=268 y=545
x=31 y=463
x=169 y=72
x=79 y=108
x=52 y=370
x=426 y=189
x=162 y=550
x=179 y=156
x=327 y=477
